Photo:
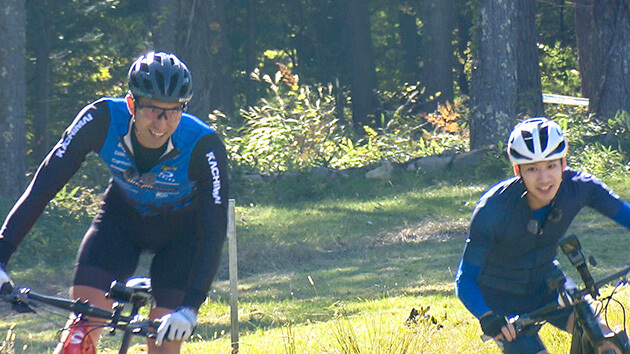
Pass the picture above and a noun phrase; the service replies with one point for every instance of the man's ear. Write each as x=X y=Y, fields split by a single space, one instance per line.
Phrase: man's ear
x=130 y=103
x=564 y=163
x=517 y=171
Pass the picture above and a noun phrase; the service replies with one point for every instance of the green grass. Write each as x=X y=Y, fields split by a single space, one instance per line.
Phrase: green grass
x=336 y=267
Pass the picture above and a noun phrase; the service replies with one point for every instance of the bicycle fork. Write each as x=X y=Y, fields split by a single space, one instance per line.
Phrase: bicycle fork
x=588 y=334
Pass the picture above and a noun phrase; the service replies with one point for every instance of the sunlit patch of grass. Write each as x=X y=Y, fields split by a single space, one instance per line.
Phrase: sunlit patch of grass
x=343 y=271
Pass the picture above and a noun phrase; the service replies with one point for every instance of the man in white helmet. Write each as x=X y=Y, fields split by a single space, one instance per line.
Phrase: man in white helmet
x=514 y=234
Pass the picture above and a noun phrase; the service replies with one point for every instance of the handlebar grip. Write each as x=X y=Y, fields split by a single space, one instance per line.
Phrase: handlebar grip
x=6 y=288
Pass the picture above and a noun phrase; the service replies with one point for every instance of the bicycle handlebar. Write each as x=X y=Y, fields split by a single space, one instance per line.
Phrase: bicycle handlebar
x=135 y=324
x=521 y=322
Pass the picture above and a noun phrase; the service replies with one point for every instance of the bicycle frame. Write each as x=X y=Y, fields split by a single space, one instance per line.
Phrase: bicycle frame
x=587 y=334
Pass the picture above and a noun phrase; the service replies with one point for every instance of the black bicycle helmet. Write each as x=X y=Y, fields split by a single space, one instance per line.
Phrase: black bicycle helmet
x=162 y=77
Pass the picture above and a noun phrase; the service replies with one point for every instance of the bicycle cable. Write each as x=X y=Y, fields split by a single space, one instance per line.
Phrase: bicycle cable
x=605 y=303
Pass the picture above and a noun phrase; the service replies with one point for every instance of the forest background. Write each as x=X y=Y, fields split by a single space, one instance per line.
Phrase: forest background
x=367 y=70
x=307 y=93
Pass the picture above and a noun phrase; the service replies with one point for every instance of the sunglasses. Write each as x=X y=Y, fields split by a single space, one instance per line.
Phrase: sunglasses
x=153 y=112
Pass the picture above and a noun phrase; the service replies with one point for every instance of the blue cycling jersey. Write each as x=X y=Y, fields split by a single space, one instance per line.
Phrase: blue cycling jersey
x=510 y=248
x=167 y=185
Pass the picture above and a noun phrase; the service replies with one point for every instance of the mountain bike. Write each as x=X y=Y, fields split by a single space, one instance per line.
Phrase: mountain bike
x=587 y=332
x=128 y=298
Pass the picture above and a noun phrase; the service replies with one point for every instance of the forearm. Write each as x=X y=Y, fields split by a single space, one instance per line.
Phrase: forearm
x=213 y=230
x=468 y=291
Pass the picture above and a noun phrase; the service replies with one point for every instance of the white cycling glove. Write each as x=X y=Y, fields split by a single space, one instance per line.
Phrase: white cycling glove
x=4 y=277
x=178 y=325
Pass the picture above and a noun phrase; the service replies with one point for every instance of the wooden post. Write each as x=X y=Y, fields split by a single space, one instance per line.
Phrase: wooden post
x=233 y=269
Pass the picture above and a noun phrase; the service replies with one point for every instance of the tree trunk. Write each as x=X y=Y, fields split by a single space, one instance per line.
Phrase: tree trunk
x=196 y=32
x=612 y=25
x=250 y=52
x=529 y=87
x=164 y=14
x=493 y=86
x=409 y=43
x=438 y=18
x=13 y=96
x=41 y=110
x=585 y=37
x=205 y=48
x=359 y=63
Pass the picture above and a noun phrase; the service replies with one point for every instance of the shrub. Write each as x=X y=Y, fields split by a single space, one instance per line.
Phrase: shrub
x=299 y=127
x=292 y=130
x=596 y=147
x=559 y=69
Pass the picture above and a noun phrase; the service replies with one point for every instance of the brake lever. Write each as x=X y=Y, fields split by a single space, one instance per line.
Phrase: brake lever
x=22 y=307
x=143 y=326
x=19 y=300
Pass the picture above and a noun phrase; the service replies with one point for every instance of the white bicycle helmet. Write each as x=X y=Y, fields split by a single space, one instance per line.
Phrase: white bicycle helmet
x=536 y=139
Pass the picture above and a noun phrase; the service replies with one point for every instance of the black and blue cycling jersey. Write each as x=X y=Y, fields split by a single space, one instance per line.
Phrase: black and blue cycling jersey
x=510 y=248
x=189 y=177
x=166 y=186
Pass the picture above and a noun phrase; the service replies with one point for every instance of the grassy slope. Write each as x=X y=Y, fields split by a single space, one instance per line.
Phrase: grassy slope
x=335 y=266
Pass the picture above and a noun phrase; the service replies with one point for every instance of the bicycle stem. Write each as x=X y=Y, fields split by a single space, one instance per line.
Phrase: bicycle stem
x=584 y=315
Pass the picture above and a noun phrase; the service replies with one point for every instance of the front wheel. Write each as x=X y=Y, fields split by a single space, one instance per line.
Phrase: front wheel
x=620 y=339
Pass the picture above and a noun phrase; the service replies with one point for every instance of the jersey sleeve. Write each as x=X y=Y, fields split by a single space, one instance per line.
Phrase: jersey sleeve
x=480 y=234
x=467 y=290
x=623 y=216
x=209 y=169
x=86 y=133
x=478 y=244
x=602 y=199
x=599 y=196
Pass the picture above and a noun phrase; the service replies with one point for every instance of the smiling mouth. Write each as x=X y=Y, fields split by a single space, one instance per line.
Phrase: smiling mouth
x=546 y=189
x=155 y=134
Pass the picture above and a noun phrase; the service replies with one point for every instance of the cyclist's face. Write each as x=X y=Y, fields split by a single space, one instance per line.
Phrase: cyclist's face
x=542 y=180
x=155 y=121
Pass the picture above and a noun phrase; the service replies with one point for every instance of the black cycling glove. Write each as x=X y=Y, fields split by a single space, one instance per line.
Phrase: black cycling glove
x=491 y=324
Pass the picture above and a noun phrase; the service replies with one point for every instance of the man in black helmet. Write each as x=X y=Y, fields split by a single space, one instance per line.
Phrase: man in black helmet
x=167 y=196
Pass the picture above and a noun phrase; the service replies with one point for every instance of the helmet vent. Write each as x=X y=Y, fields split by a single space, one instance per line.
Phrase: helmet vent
x=515 y=154
x=529 y=140
x=544 y=138
x=172 y=85
x=159 y=81
x=146 y=83
x=558 y=150
x=183 y=90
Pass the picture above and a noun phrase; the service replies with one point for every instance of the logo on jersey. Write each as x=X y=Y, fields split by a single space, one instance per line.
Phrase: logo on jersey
x=166 y=176
x=75 y=129
x=589 y=178
x=216 y=177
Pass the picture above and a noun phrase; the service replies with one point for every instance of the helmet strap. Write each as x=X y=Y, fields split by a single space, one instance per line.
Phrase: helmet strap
x=131 y=106
x=517 y=170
